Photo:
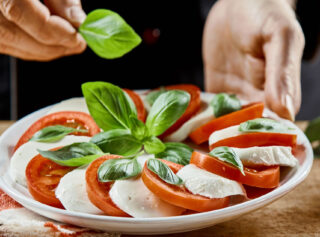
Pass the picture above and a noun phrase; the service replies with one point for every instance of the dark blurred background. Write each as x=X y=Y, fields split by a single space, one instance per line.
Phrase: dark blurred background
x=169 y=54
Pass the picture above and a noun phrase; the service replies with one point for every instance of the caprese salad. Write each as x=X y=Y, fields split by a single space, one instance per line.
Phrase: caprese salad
x=119 y=153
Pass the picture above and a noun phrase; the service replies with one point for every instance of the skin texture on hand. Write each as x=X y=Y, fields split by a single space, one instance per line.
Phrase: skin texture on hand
x=254 y=48
x=31 y=30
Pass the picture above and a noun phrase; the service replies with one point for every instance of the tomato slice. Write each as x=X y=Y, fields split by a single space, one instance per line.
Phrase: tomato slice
x=265 y=177
x=247 y=112
x=43 y=177
x=177 y=195
x=73 y=119
x=191 y=110
x=142 y=113
x=258 y=139
x=98 y=192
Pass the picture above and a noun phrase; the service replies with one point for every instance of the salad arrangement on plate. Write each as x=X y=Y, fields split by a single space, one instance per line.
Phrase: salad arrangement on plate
x=166 y=152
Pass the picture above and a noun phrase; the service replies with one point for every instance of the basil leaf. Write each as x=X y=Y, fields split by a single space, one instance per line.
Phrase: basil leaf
x=138 y=128
x=117 y=141
x=313 y=130
x=316 y=152
x=163 y=171
x=264 y=125
x=107 y=34
x=176 y=152
x=54 y=133
x=153 y=95
x=110 y=107
x=166 y=110
x=227 y=154
x=153 y=145
x=224 y=104
x=118 y=169
x=76 y=154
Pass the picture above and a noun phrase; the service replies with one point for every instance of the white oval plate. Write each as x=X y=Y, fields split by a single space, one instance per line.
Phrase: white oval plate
x=163 y=225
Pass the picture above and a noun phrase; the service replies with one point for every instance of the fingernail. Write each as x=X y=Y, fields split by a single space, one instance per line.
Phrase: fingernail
x=289 y=105
x=76 y=15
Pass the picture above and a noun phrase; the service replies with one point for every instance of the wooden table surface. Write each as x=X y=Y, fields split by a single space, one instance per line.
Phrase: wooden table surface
x=296 y=214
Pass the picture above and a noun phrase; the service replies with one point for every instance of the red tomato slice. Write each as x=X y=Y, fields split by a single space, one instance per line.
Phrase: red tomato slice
x=258 y=139
x=266 y=177
x=98 y=192
x=247 y=112
x=191 y=110
x=177 y=195
x=142 y=113
x=67 y=118
x=43 y=177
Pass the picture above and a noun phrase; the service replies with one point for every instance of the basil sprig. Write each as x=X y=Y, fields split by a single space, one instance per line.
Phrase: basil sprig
x=264 y=125
x=153 y=95
x=110 y=107
x=163 y=171
x=176 y=152
x=107 y=34
x=117 y=141
x=223 y=103
x=166 y=110
x=76 y=154
x=54 y=133
x=227 y=154
x=119 y=169
x=153 y=145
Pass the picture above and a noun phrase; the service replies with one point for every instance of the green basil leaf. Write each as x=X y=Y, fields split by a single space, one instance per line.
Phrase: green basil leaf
x=264 y=125
x=76 y=154
x=224 y=104
x=118 y=169
x=227 y=154
x=138 y=128
x=163 y=171
x=166 y=110
x=313 y=130
x=110 y=107
x=176 y=152
x=54 y=133
x=153 y=145
x=108 y=35
x=117 y=141
x=153 y=95
x=316 y=152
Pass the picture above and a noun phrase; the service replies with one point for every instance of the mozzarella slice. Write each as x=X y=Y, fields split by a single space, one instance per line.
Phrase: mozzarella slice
x=225 y=133
x=134 y=198
x=204 y=115
x=271 y=155
x=207 y=184
x=27 y=151
x=72 y=193
x=73 y=104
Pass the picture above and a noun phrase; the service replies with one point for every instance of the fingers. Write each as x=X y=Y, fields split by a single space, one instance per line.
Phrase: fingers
x=284 y=43
x=16 y=42
x=70 y=10
x=35 y=19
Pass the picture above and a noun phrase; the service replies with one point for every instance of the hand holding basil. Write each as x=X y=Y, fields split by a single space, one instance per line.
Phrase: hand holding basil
x=108 y=35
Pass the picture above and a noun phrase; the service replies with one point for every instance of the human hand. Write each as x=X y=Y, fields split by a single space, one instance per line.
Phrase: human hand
x=30 y=31
x=253 y=48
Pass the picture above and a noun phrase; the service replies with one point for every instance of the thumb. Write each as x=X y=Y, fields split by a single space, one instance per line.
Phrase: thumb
x=283 y=49
x=71 y=10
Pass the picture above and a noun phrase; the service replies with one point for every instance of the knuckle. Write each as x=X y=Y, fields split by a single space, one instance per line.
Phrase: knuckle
x=11 y=11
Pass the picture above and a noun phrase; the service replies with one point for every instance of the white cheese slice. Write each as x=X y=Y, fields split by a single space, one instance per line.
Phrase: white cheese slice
x=225 y=133
x=72 y=193
x=207 y=184
x=204 y=115
x=271 y=155
x=73 y=104
x=27 y=151
x=134 y=198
